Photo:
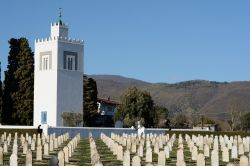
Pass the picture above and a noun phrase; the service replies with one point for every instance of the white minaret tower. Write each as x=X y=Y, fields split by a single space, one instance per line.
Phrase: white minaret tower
x=58 y=84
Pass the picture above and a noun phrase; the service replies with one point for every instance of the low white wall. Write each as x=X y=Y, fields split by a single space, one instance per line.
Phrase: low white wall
x=96 y=131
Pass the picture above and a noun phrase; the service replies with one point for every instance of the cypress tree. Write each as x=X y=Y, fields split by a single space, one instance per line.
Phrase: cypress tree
x=19 y=84
x=90 y=101
x=10 y=82
x=23 y=98
x=1 y=99
x=1 y=92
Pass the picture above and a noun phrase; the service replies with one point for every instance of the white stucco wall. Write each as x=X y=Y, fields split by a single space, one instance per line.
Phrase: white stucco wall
x=70 y=83
x=45 y=85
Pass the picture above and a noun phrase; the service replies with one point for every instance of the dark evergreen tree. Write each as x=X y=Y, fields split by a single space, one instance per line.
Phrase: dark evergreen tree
x=19 y=84
x=1 y=93
x=90 y=101
x=23 y=98
x=10 y=82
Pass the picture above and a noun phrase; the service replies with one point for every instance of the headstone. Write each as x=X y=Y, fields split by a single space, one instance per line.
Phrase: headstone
x=246 y=146
x=128 y=144
x=194 y=153
x=148 y=144
x=149 y=164
x=1 y=155
x=114 y=149
x=161 y=158
x=126 y=158
x=156 y=148
x=66 y=154
x=248 y=157
x=95 y=157
x=201 y=141
x=180 y=146
x=200 y=160
x=29 y=140
x=46 y=149
x=25 y=147
x=51 y=146
x=225 y=154
x=43 y=139
x=160 y=143
x=206 y=150
x=28 y=157
x=69 y=146
x=22 y=140
x=133 y=148
x=166 y=150
x=8 y=139
x=5 y=147
x=39 y=153
x=26 y=136
x=244 y=161
x=229 y=145
x=136 y=161
x=180 y=155
x=124 y=141
x=180 y=163
x=60 y=157
x=2 y=138
x=241 y=149
x=214 y=158
x=13 y=160
x=149 y=155
x=98 y=163
x=140 y=151
x=14 y=148
x=234 y=152
x=59 y=141
x=55 y=143
x=38 y=141
x=119 y=153
x=33 y=144
x=215 y=145
x=34 y=137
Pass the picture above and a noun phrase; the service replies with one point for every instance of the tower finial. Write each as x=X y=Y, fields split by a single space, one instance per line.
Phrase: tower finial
x=60 y=13
x=60 y=17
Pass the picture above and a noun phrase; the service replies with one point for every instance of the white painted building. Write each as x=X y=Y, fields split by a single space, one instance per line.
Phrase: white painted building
x=58 y=83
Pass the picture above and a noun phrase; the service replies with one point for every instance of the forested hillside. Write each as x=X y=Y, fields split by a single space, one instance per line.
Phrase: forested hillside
x=215 y=99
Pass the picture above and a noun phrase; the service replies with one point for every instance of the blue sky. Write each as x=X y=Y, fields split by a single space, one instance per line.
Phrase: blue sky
x=152 y=40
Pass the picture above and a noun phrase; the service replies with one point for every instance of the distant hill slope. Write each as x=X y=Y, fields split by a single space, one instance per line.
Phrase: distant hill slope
x=214 y=99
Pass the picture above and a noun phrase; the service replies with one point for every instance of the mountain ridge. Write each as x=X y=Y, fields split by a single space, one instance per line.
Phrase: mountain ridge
x=212 y=98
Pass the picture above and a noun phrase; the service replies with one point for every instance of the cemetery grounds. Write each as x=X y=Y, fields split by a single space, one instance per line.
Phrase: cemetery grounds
x=104 y=150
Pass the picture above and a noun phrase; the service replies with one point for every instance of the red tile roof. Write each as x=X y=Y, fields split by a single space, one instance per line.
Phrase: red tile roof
x=108 y=101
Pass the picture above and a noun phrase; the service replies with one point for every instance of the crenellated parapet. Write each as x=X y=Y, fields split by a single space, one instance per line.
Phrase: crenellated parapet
x=59 y=23
x=62 y=39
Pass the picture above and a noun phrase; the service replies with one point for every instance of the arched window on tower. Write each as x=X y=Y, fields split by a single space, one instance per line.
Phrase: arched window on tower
x=45 y=61
x=70 y=60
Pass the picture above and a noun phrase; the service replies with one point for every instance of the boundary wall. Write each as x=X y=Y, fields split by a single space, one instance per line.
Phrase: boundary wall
x=96 y=131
